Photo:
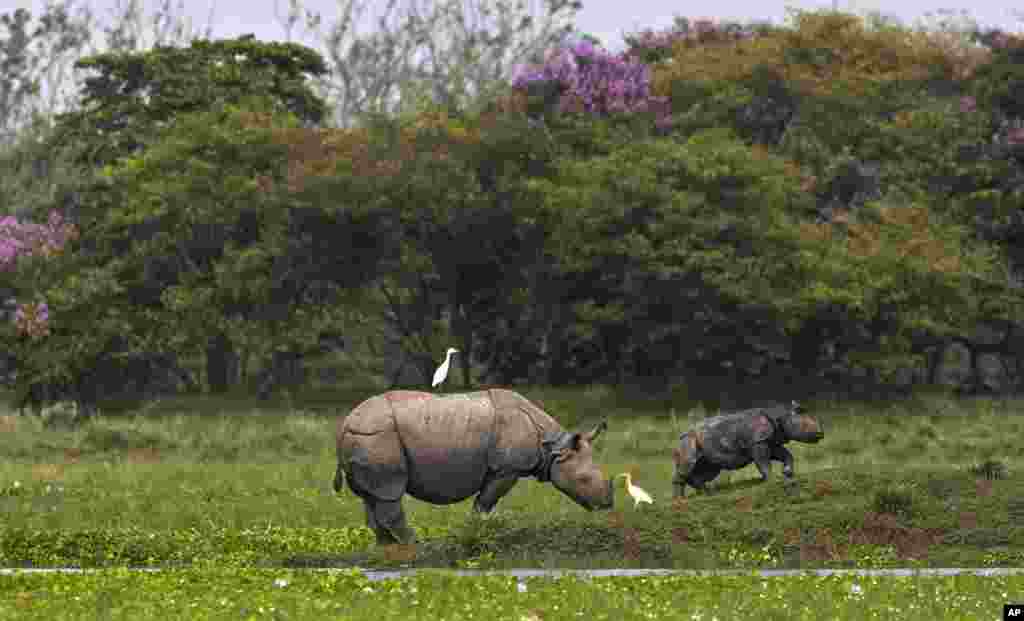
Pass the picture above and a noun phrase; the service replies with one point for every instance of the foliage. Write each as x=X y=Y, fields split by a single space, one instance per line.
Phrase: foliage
x=452 y=53
x=718 y=212
x=829 y=61
x=137 y=546
x=138 y=99
x=134 y=95
x=231 y=593
x=595 y=82
x=997 y=83
x=26 y=56
x=22 y=239
x=201 y=482
x=922 y=150
x=467 y=176
x=653 y=47
x=876 y=216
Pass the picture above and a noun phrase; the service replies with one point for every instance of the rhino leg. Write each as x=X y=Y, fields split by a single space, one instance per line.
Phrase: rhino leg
x=493 y=490
x=685 y=457
x=383 y=536
x=781 y=453
x=387 y=520
x=762 y=454
x=703 y=473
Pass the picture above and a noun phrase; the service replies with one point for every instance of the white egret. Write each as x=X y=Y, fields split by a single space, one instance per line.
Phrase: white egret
x=442 y=371
x=638 y=494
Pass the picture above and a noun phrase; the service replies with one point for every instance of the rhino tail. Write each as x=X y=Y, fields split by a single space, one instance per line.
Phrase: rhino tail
x=339 y=479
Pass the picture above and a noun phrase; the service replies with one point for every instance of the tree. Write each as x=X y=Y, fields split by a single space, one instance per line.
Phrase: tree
x=134 y=95
x=451 y=182
x=36 y=58
x=206 y=244
x=133 y=100
x=456 y=51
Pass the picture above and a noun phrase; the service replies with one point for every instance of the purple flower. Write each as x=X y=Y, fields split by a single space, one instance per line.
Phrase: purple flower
x=32 y=319
x=967 y=104
x=594 y=81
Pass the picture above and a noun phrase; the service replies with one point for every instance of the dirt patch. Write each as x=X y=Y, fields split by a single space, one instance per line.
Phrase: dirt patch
x=631 y=544
x=47 y=472
x=8 y=423
x=823 y=488
x=143 y=455
x=823 y=548
x=884 y=529
x=399 y=553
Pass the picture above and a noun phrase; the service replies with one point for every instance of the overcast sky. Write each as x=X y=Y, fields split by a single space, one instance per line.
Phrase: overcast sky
x=605 y=19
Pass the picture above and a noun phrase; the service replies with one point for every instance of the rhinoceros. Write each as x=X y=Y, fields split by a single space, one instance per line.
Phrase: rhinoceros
x=443 y=449
x=732 y=441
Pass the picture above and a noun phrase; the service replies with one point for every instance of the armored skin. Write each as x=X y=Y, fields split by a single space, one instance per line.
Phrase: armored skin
x=443 y=449
x=732 y=441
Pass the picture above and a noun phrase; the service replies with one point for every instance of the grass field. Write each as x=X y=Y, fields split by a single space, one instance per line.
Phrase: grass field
x=193 y=480
x=226 y=593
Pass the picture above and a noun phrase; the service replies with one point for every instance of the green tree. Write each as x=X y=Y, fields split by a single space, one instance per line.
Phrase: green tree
x=454 y=52
x=134 y=98
x=455 y=183
x=715 y=218
x=211 y=239
x=136 y=94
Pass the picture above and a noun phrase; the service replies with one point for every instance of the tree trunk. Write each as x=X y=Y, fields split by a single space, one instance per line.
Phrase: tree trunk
x=221 y=364
x=805 y=348
x=285 y=369
x=464 y=335
x=398 y=370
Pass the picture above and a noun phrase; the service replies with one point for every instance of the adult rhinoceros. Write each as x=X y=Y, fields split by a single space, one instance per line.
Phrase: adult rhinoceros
x=443 y=449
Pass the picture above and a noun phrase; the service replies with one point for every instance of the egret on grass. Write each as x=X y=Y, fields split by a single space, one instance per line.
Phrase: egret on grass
x=442 y=371
x=638 y=494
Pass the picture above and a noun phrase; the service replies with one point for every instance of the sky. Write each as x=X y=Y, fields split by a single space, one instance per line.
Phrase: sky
x=605 y=19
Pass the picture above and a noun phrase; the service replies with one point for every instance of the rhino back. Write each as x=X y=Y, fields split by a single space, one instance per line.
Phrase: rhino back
x=728 y=439
x=520 y=427
x=447 y=440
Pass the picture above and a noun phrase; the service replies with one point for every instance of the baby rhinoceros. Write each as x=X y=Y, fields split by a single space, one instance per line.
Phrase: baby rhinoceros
x=732 y=441
x=443 y=449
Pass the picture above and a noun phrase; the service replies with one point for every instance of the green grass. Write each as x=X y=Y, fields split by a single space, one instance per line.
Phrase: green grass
x=218 y=480
x=236 y=593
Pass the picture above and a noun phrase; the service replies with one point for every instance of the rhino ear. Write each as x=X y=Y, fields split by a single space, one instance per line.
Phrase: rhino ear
x=597 y=431
x=570 y=447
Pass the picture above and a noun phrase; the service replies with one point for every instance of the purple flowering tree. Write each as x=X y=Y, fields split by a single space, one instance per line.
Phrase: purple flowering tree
x=584 y=78
x=22 y=240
